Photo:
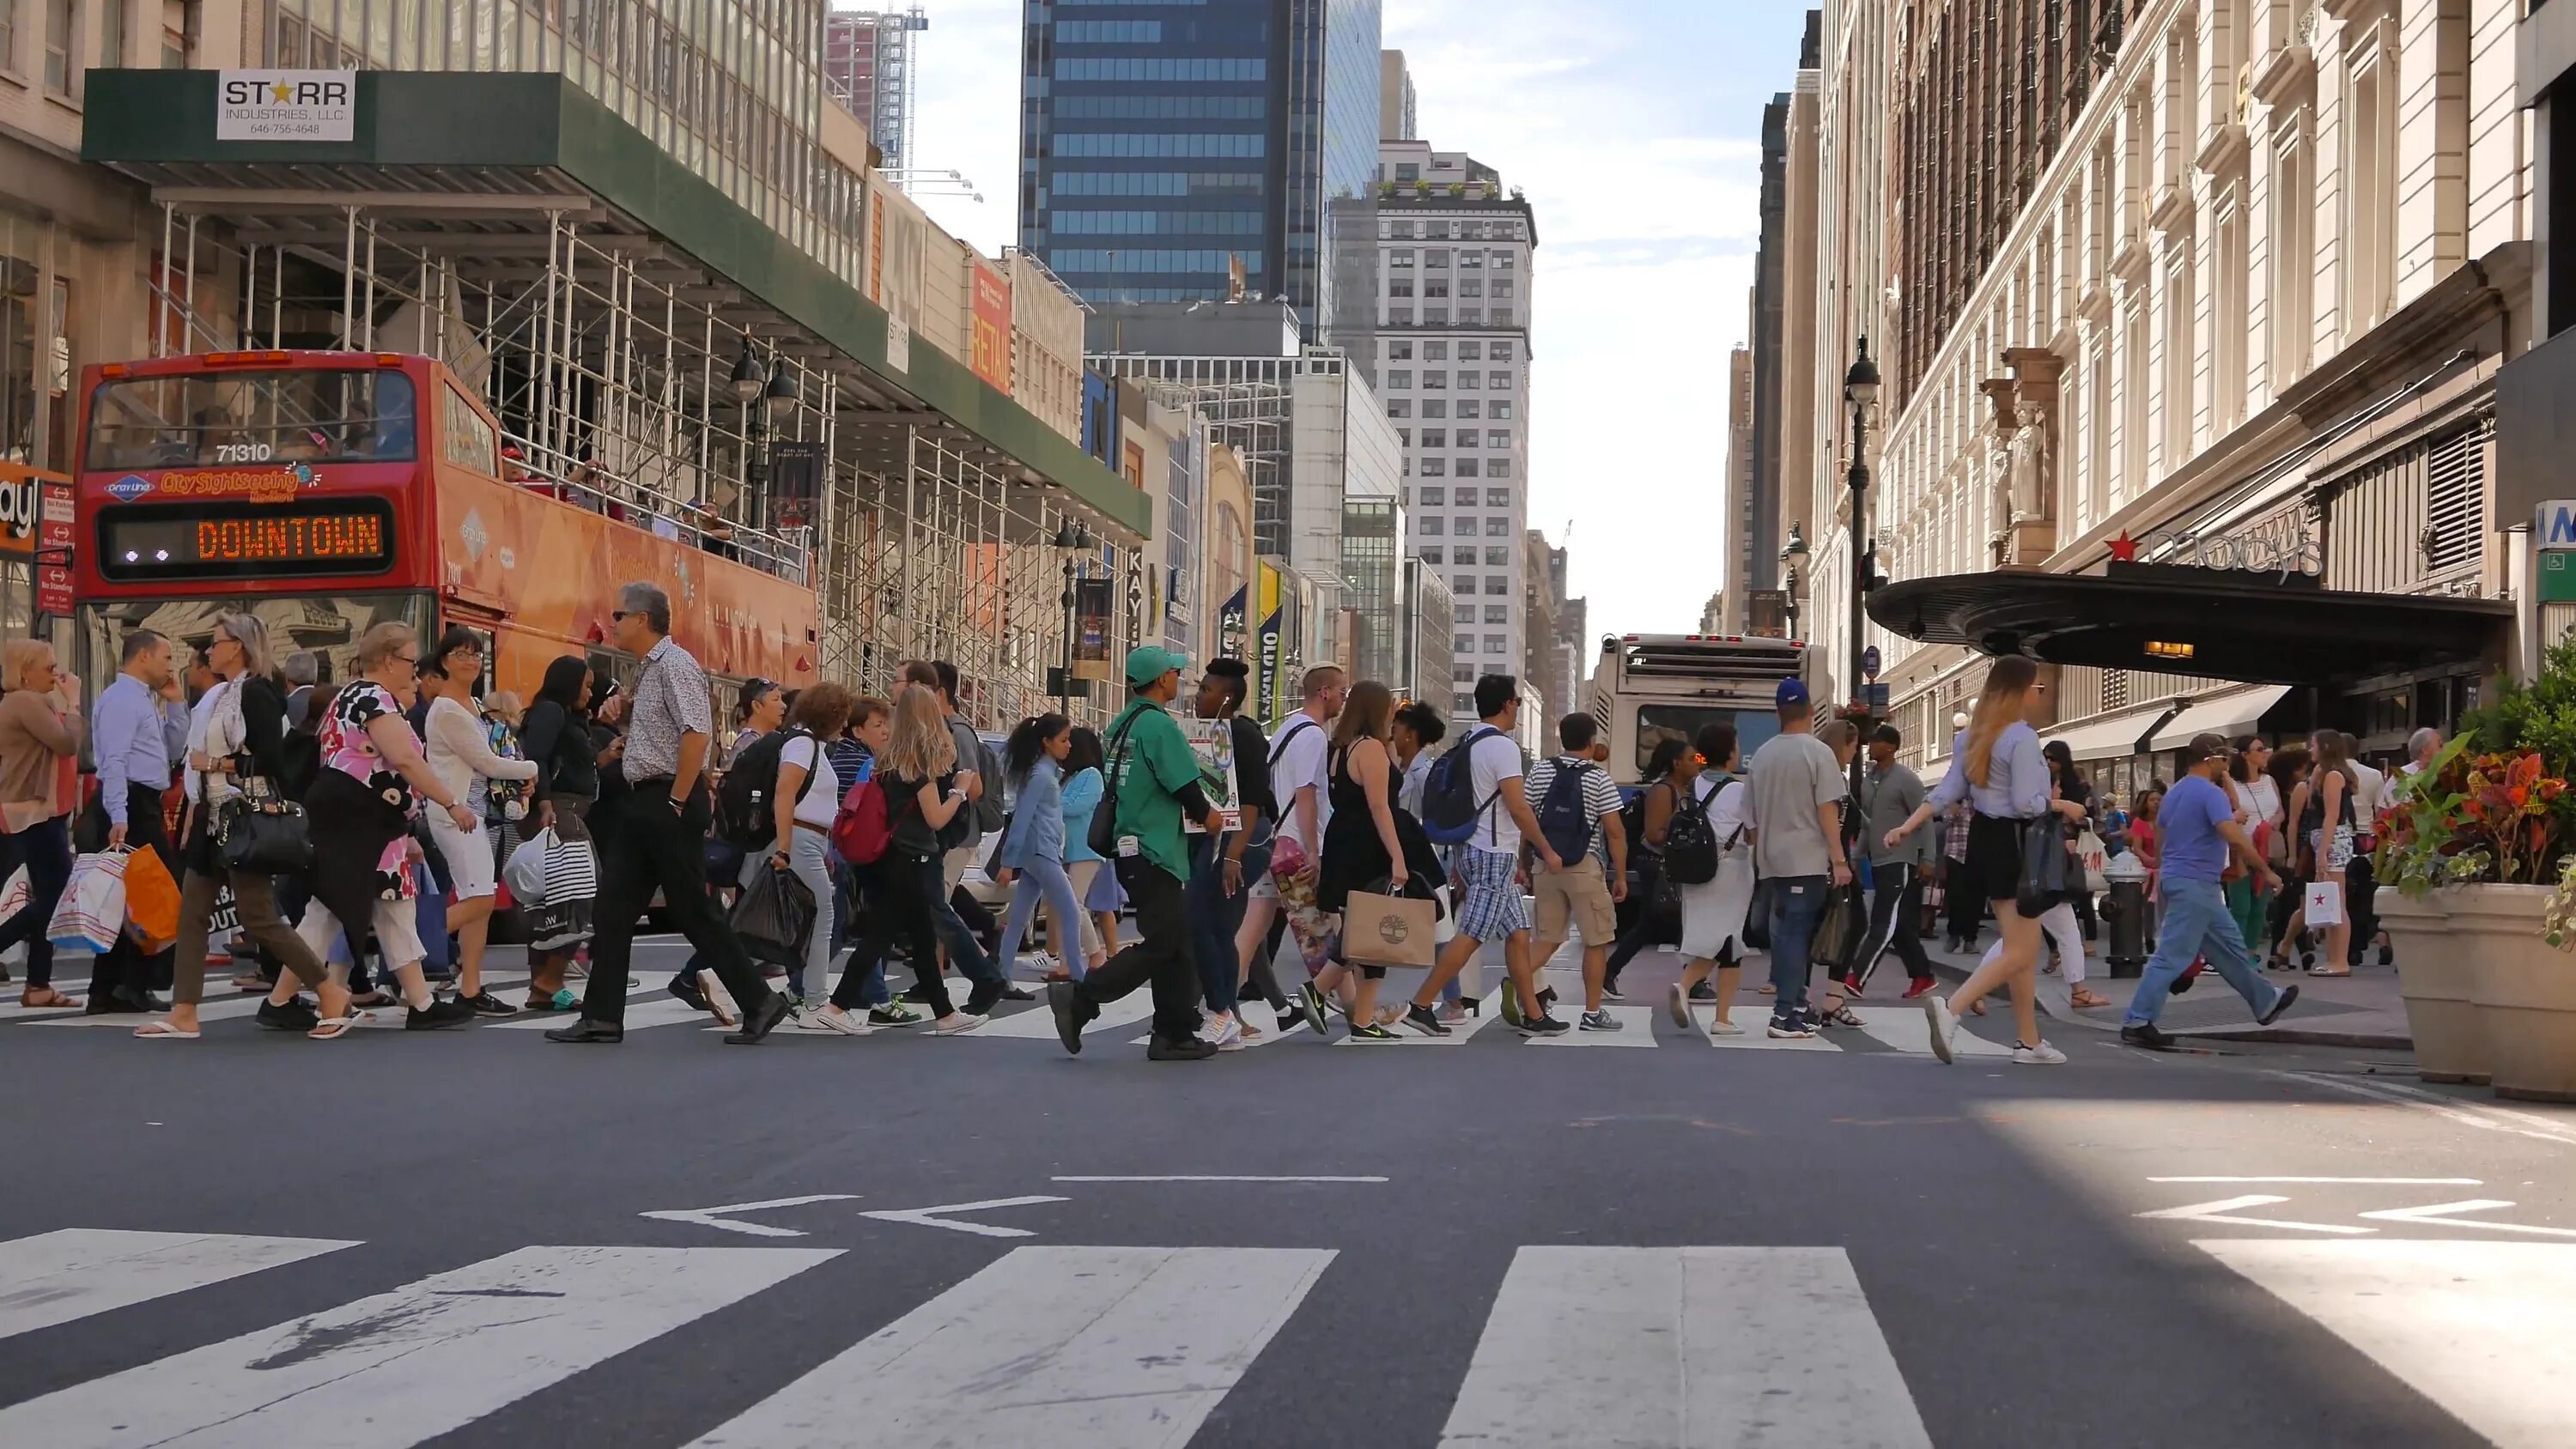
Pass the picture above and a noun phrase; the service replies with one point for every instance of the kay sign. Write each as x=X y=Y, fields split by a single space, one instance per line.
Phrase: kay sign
x=286 y=105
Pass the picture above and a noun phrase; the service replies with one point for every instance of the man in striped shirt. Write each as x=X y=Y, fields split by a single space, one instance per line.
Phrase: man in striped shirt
x=1581 y=896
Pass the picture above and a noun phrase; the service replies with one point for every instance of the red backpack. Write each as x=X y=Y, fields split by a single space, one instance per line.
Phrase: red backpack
x=860 y=830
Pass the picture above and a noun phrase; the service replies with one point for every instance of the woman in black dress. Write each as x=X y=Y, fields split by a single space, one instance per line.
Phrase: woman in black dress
x=1370 y=845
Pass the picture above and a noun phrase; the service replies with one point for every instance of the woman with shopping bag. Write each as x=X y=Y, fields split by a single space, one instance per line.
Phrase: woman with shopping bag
x=462 y=758
x=373 y=779
x=1369 y=846
x=40 y=737
x=556 y=736
x=241 y=833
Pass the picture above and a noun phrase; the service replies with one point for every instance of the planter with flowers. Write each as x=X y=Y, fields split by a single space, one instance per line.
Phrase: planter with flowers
x=2480 y=849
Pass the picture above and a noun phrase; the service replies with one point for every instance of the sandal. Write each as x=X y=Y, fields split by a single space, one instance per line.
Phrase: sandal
x=2083 y=1000
x=2329 y=971
x=162 y=1029
x=46 y=996
x=332 y=1028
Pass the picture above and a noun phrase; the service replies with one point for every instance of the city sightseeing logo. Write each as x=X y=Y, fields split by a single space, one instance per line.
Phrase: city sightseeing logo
x=258 y=485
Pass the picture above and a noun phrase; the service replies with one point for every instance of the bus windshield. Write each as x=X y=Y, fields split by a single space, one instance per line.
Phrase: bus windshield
x=216 y=419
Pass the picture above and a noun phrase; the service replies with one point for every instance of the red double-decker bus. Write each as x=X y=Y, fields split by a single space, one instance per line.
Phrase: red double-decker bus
x=327 y=491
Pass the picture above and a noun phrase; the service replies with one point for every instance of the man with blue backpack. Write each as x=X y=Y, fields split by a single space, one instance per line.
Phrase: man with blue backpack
x=1578 y=816
x=1476 y=804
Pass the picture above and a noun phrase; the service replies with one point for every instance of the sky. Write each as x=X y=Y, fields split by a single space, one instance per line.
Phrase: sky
x=1635 y=128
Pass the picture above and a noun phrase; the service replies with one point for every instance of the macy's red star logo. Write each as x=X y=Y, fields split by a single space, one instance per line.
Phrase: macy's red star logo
x=2124 y=548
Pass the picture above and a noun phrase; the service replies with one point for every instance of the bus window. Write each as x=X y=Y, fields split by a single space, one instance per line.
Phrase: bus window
x=225 y=419
x=327 y=627
x=1657 y=723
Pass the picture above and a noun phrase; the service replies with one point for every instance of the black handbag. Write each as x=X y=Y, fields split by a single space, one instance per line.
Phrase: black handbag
x=1103 y=838
x=263 y=836
x=1843 y=933
x=2046 y=865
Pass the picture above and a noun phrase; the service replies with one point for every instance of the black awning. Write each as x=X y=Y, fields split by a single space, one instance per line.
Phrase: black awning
x=2193 y=622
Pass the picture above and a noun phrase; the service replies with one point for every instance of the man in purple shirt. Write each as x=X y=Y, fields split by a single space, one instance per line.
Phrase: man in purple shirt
x=2196 y=830
x=138 y=731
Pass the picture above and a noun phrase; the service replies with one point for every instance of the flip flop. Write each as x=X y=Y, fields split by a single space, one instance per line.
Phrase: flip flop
x=162 y=1030
x=332 y=1028
x=2083 y=1000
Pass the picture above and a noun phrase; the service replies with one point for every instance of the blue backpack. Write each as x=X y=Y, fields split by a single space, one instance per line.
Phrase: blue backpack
x=1450 y=809
x=1562 y=820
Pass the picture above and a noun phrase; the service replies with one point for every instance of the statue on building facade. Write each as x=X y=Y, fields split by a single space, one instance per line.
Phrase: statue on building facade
x=2029 y=472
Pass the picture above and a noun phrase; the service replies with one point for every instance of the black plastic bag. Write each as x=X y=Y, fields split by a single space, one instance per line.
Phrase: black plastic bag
x=775 y=918
x=2046 y=865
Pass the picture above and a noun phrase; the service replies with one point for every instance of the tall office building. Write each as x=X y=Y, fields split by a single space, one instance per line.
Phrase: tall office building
x=1180 y=154
x=1453 y=366
x=867 y=69
x=1397 y=109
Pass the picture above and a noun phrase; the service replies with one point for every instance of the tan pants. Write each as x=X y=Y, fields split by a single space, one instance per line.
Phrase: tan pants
x=256 y=903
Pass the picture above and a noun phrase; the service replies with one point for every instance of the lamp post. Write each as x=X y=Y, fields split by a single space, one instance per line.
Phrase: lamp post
x=1792 y=554
x=748 y=378
x=1860 y=392
x=1070 y=537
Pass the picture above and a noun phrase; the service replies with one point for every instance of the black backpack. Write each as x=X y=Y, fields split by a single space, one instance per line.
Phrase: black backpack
x=746 y=814
x=1690 y=842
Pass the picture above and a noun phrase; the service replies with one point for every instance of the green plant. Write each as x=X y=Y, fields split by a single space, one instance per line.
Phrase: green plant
x=2539 y=717
x=2463 y=820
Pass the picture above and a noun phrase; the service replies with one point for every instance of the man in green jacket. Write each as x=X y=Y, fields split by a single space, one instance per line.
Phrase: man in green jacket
x=1153 y=779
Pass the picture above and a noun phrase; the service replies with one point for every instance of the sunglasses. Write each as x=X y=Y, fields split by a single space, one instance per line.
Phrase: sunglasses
x=411 y=659
x=617 y=616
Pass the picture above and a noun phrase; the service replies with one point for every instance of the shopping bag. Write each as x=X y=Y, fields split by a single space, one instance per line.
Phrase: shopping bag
x=774 y=916
x=524 y=869
x=1383 y=929
x=92 y=911
x=151 y=901
x=2045 y=864
x=429 y=917
x=2090 y=854
x=2324 y=904
x=15 y=895
x=571 y=870
x=1843 y=933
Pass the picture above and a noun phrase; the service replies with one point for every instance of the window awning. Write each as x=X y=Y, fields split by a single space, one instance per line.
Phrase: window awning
x=2115 y=736
x=2230 y=714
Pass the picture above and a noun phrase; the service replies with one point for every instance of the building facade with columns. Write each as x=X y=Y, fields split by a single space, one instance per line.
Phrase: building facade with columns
x=2192 y=298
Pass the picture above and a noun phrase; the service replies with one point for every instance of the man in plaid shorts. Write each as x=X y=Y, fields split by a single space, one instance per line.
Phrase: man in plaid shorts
x=1487 y=869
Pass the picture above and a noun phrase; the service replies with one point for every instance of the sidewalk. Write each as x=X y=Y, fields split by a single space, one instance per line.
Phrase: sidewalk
x=2362 y=1010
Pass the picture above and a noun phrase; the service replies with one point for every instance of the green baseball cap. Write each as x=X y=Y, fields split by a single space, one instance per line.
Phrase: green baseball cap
x=1150 y=662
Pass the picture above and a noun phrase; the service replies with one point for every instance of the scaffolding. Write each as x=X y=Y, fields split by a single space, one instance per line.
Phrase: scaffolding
x=631 y=378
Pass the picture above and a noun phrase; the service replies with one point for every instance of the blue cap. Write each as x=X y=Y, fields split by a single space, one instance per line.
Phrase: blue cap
x=1792 y=691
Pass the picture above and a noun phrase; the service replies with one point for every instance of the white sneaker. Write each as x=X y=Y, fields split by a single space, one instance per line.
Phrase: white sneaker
x=1677 y=1003
x=957 y=1023
x=1724 y=1028
x=1040 y=962
x=834 y=1020
x=1223 y=1031
x=1944 y=1025
x=2042 y=1055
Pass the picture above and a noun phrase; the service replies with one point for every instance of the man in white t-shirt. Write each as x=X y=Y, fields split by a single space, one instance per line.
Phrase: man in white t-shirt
x=1297 y=781
x=1486 y=869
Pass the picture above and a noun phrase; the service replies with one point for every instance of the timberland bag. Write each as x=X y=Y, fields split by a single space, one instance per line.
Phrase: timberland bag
x=1383 y=929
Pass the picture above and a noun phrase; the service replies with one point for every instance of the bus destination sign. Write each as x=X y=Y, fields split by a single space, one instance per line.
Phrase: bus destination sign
x=338 y=538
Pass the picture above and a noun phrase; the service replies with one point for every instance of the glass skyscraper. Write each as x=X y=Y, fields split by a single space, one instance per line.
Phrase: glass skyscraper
x=1166 y=143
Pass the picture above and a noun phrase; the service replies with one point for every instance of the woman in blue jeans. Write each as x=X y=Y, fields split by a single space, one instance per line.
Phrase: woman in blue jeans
x=1234 y=766
x=1032 y=853
x=40 y=733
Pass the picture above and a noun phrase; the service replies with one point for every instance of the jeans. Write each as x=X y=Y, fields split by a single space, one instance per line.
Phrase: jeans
x=1894 y=906
x=45 y=849
x=1214 y=916
x=2197 y=923
x=1042 y=878
x=656 y=847
x=965 y=952
x=1797 y=905
x=1161 y=955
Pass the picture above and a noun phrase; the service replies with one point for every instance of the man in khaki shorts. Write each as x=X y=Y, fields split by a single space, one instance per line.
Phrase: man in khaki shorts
x=1578 y=811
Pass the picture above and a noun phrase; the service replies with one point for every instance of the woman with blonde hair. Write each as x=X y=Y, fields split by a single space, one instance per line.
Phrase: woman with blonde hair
x=1998 y=767
x=373 y=779
x=40 y=740
x=924 y=789
x=240 y=763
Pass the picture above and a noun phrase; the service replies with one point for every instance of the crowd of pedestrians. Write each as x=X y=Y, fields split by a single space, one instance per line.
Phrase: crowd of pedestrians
x=1237 y=853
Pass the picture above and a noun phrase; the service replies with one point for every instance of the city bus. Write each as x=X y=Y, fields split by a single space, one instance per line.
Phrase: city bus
x=328 y=491
x=1655 y=687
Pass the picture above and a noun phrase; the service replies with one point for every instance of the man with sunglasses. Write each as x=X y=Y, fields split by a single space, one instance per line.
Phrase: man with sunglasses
x=662 y=842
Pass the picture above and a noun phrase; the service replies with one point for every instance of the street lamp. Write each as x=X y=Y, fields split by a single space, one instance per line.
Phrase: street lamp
x=746 y=373
x=1074 y=541
x=1789 y=587
x=1860 y=393
x=782 y=396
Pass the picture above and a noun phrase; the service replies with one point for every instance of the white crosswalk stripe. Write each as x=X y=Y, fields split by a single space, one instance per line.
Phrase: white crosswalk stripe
x=398 y=1368
x=1682 y=1347
x=2486 y=1330
x=59 y=1277
x=1073 y=1348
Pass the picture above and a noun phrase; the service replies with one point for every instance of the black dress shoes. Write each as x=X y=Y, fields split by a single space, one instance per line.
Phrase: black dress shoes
x=762 y=1018
x=587 y=1031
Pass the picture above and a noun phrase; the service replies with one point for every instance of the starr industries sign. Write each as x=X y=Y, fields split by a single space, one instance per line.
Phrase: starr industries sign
x=286 y=105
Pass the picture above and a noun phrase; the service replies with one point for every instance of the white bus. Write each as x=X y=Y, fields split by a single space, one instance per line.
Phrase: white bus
x=1653 y=687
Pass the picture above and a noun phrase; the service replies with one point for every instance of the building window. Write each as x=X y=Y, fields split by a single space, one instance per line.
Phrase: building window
x=1399 y=287
x=1435 y=437
x=1502 y=288
x=1399 y=352
x=1432 y=377
x=1465 y=644
x=1466 y=375
x=1400 y=257
x=1496 y=558
x=1435 y=316
x=1433 y=407
x=1498 y=379
x=2370 y=215
x=62 y=36
x=1466 y=467
x=1404 y=437
x=1471 y=317
x=1435 y=352
x=1399 y=377
x=1399 y=316
x=1462 y=673
x=1431 y=554
x=1430 y=525
x=1498 y=528
x=1502 y=411
x=1470 y=287
x=1435 y=468
x=1467 y=407
x=1462 y=585
x=1463 y=705
x=1498 y=644
x=1435 y=287
x=1498 y=613
x=1471 y=259
x=1499 y=351
x=1498 y=467
x=111 y=33
x=1399 y=407
x=1436 y=257
x=1433 y=496
x=1408 y=171
x=1498 y=498
x=1503 y=260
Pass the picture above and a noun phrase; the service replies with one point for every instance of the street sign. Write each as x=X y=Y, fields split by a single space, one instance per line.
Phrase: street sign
x=1869 y=662
x=2558 y=576
x=2554 y=524
x=54 y=550
x=1873 y=697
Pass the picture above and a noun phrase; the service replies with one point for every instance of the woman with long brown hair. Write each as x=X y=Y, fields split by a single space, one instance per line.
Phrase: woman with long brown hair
x=1996 y=765
x=2323 y=806
x=1365 y=845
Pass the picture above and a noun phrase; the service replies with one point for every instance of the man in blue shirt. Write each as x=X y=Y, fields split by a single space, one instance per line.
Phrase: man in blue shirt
x=2196 y=831
x=138 y=733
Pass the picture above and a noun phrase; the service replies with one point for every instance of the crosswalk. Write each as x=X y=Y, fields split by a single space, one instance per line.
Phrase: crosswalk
x=1897 y=1029
x=1111 y=1347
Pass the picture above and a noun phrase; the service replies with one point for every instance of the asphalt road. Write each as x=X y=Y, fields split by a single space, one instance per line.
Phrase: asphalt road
x=475 y=1238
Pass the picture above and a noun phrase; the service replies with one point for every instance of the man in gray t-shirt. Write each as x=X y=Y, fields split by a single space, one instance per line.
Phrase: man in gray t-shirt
x=1796 y=791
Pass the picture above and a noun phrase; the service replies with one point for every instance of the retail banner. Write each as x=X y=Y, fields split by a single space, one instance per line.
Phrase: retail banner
x=1091 y=630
